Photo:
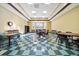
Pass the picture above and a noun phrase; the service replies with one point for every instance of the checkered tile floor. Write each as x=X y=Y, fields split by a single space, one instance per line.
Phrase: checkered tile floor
x=27 y=45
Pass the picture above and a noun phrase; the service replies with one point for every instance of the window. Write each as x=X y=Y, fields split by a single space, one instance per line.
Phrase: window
x=38 y=25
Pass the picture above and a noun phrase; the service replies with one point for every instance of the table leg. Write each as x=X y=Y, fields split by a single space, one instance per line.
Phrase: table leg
x=9 y=42
x=66 y=39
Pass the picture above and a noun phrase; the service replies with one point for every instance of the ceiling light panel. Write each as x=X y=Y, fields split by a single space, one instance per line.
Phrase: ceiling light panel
x=45 y=12
x=33 y=12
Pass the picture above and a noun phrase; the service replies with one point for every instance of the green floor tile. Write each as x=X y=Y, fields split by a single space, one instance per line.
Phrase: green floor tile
x=20 y=52
x=42 y=48
x=57 y=52
x=7 y=52
x=69 y=52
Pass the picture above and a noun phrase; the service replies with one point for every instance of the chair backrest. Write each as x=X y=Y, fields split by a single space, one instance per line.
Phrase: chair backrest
x=68 y=32
x=59 y=31
x=54 y=31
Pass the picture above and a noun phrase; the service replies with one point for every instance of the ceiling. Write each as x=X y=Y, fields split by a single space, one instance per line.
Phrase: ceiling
x=38 y=10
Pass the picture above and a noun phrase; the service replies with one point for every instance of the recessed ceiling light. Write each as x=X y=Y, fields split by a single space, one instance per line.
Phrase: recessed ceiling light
x=35 y=16
x=33 y=11
x=43 y=16
x=44 y=11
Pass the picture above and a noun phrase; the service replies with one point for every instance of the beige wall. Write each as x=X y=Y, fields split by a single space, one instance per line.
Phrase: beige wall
x=5 y=16
x=67 y=22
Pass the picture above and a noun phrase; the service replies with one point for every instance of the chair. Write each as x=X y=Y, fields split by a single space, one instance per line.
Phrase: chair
x=68 y=32
x=62 y=38
x=76 y=41
x=54 y=31
x=70 y=38
x=58 y=36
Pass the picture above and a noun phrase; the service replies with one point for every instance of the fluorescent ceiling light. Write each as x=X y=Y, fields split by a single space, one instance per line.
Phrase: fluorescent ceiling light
x=44 y=11
x=33 y=11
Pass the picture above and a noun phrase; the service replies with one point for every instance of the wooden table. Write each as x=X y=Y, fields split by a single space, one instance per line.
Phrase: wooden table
x=69 y=34
x=9 y=35
x=66 y=35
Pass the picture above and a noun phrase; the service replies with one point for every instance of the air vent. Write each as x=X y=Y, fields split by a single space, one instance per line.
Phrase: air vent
x=36 y=5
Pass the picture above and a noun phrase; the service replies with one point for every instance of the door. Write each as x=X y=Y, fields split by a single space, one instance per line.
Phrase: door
x=26 y=29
